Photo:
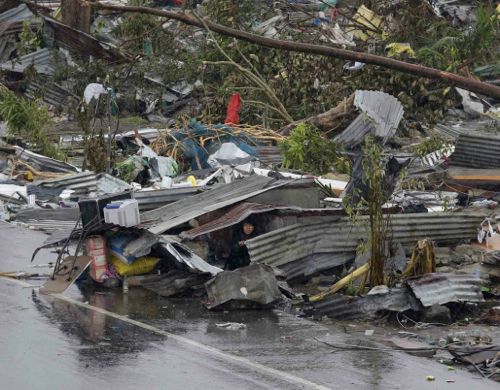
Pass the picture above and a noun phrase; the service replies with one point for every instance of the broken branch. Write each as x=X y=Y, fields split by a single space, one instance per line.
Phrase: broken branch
x=472 y=85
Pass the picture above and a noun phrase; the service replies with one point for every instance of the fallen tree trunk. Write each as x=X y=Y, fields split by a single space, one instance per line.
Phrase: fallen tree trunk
x=349 y=55
x=326 y=120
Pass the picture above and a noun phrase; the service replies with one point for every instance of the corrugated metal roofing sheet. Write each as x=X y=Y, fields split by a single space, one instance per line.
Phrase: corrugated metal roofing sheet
x=451 y=130
x=269 y=154
x=437 y=288
x=48 y=219
x=477 y=151
x=380 y=115
x=52 y=94
x=184 y=210
x=82 y=183
x=184 y=255
x=427 y=198
x=17 y=14
x=315 y=264
x=61 y=214
x=346 y=307
x=340 y=235
x=150 y=200
x=44 y=163
x=42 y=60
x=48 y=225
x=235 y=215
x=84 y=43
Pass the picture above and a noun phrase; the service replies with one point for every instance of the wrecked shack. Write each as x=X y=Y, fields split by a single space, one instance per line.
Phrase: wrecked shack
x=313 y=158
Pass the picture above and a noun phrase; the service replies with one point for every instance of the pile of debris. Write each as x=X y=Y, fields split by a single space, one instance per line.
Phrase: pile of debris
x=389 y=223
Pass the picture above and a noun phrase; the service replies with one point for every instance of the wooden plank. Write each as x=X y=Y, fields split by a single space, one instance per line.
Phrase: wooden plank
x=66 y=276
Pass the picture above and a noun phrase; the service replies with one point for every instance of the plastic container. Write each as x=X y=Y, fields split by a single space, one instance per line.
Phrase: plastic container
x=94 y=243
x=95 y=247
x=123 y=213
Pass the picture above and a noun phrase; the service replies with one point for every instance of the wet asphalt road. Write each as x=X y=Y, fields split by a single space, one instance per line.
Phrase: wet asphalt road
x=108 y=340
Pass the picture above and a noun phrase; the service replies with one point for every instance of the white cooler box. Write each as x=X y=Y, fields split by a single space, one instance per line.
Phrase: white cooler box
x=122 y=213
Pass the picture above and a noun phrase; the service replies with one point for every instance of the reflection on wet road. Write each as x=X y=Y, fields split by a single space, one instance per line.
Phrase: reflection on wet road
x=52 y=343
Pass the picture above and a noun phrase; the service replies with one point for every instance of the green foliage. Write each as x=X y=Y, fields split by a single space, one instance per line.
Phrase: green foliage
x=29 y=40
x=306 y=150
x=373 y=177
x=28 y=119
x=437 y=44
x=136 y=29
x=134 y=121
x=316 y=81
x=429 y=145
x=456 y=48
x=380 y=224
x=326 y=190
x=238 y=14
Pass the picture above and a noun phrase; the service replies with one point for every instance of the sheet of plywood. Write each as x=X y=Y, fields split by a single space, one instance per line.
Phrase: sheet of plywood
x=66 y=276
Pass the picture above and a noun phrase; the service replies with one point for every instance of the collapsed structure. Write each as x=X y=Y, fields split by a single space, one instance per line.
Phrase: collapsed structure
x=209 y=211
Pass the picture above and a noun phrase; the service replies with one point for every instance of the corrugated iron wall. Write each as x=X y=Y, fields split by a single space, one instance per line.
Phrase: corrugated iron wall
x=340 y=235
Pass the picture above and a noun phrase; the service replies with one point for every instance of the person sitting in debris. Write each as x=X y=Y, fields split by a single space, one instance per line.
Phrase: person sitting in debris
x=239 y=253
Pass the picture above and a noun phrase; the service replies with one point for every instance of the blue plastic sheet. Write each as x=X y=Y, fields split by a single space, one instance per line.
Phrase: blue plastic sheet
x=198 y=155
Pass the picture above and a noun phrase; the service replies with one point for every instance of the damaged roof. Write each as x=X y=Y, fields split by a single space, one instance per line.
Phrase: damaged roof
x=82 y=183
x=380 y=116
x=269 y=154
x=17 y=14
x=441 y=288
x=184 y=255
x=182 y=211
x=46 y=164
x=235 y=215
x=347 y=307
x=477 y=151
x=149 y=200
x=316 y=263
x=42 y=60
x=340 y=235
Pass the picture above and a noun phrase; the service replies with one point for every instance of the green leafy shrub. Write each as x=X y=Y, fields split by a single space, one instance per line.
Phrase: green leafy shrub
x=28 y=119
x=306 y=150
x=429 y=145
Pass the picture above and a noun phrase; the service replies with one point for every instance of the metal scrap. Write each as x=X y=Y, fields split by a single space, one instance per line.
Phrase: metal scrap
x=380 y=116
x=84 y=43
x=441 y=288
x=478 y=150
x=186 y=209
x=42 y=61
x=233 y=216
x=183 y=255
x=81 y=183
x=346 y=307
x=249 y=287
x=43 y=163
x=339 y=235
x=154 y=199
